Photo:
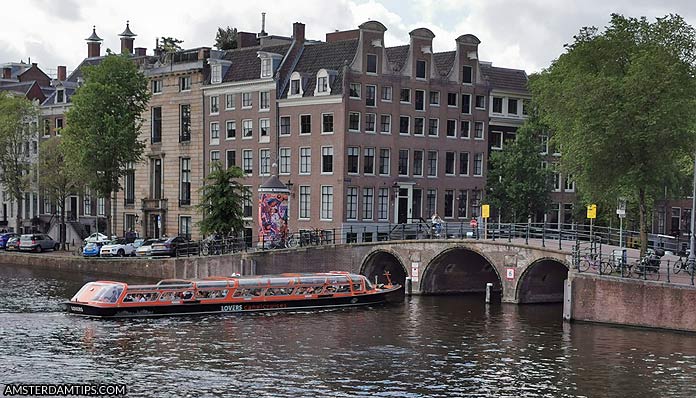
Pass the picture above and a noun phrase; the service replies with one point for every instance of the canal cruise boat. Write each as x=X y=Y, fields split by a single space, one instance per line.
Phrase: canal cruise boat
x=108 y=299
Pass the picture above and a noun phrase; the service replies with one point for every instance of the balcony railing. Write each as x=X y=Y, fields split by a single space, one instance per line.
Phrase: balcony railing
x=154 y=204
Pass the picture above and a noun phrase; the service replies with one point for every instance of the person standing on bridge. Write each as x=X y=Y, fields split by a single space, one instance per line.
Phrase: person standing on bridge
x=437 y=224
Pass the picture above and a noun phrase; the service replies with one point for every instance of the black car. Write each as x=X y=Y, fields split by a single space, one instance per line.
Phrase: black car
x=170 y=246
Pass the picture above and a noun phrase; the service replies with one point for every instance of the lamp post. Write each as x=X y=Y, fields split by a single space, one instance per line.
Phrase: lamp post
x=692 y=242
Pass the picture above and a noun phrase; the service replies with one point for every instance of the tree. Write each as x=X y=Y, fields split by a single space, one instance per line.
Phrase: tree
x=222 y=201
x=621 y=105
x=103 y=124
x=517 y=183
x=169 y=45
x=58 y=180
x=226 y=39
x=18 y=126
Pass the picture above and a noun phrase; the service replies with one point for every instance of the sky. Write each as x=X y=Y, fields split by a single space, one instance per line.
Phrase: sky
x=520 y=34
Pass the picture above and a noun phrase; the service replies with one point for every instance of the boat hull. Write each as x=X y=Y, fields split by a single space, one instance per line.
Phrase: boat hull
x=198 y=307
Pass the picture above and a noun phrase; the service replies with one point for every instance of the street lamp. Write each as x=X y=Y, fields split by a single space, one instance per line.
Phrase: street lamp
x=692 y=243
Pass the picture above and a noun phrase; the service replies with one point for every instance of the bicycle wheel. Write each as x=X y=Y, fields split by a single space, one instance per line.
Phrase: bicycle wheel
x=584 y=264
x=607 y=267
x=204 y=250
x=292 y=242
x=652 y=272
x=678 y=266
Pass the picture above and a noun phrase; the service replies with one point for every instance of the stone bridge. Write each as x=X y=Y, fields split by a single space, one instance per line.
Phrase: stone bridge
x=520 y=273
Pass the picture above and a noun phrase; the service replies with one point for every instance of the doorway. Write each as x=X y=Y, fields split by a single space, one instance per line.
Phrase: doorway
x=404 y=205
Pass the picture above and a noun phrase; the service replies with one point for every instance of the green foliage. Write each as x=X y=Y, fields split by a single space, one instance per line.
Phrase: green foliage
x=226 y=39
x=169 y=44
x=103 y=124
x=222 y=201
x=621 y=106
x=517 y=185
x=18 y=126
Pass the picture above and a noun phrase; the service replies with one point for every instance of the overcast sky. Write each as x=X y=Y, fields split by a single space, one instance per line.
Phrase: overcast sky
x=523 y=34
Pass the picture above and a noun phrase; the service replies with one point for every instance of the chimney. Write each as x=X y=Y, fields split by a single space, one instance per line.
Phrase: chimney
x=93 y=44
x=127 y=39
x=62 y=73
x=141 y=51
x=7 y=73
x=203 y=53
x=246 y=39
x=263 y=25
x=298 y=32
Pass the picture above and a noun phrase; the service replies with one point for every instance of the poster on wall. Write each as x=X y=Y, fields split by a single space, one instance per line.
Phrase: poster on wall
x=273 y=217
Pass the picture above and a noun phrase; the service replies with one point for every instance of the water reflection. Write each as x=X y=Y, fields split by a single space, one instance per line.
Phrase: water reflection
x=428 y=347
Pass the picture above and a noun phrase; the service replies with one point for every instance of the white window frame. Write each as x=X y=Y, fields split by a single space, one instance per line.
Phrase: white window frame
x=495 y=143
x=214 y=105
x=247 y=98
x=326 y=213
x=249 y=128
x=305 y=192
x=483 y=130
x=227 y=124
x=264 y=162
x=305 y=168
x=374 y=124
x=230 y=101
x=328 y=150
x=350 y=122
x=261 y=94
x=214 y=133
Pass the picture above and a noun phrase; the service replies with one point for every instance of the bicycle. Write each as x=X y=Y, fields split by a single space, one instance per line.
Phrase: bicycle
x=590 y=261
x=682 y=265
x=647 y=267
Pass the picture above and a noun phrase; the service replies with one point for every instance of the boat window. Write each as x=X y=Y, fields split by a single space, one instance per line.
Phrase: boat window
x=140 y=297
x=368 y=284
x=211 y=294
x=334 y=280
x=211 y=284
x=167 y=296
x=278 y=291
x=108 y=294
x=357 y=287
x=313 y=280
x=175 y=284
x=281 y=281
x=343 y=289
x=250 y=282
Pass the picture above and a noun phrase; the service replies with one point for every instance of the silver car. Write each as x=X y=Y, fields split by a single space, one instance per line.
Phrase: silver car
x=37 y=243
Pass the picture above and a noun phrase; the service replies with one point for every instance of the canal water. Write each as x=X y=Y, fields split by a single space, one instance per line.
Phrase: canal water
x=425 y=347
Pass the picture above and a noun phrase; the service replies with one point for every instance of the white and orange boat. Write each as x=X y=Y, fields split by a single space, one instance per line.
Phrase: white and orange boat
x=108 y=299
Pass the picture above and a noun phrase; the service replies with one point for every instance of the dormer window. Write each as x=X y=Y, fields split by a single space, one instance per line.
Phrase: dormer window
x=420 y=69
x=266 y=67
x=371 y=63
x=324 y=79
x=295 y=85
x=215 y=73
x=467 y=74
x=322 y=84
x=60 y=96
x=269 y=63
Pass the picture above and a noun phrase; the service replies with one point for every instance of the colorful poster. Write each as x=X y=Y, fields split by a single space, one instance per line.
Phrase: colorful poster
x=273 y=217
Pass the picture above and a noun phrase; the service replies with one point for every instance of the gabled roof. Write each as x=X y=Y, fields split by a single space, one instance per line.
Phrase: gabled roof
x=330 y=56
x=85 y=62
x=505 y=79
x=51 y=99
x=245 y=63
x=444 y=61
x=397 y=57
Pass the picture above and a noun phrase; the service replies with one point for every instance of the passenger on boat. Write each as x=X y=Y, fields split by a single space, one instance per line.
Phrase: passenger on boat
x=142 y=299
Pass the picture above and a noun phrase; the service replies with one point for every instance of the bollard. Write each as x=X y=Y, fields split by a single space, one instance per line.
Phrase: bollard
x=409 y=286
x=488 y=292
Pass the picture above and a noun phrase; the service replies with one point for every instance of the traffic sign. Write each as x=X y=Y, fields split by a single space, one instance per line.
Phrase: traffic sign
x=592 y=211
x=485 y=211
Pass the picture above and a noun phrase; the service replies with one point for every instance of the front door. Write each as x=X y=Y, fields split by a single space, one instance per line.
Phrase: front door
x=404 y=205
x=155 y=225
x=72 y=214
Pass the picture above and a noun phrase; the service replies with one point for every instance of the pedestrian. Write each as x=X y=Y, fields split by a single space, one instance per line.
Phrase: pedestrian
x=437 y=224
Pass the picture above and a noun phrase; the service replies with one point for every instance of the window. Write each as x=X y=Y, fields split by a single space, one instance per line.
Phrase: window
x=371 y=63
x=327 y=124
x=247 y=128
x=544 y=144
x=214 y=158
x=403 y=162
x=386 y=93
x=230 y=101
x=59 y=125
x=417 y=203
x=449 y=163
x=264 y=101
x=185 y=124
x=466 y=104
x=284 y=158
x=88 y=203
x=404 y=122
x=478 y=130
x=185 y=226
x=322 y=84
x=156 y=180
x=420 y=100
x=369 y=161
x=305 y=124
x=512 y=106
x=295 y=87
x=451 y=128
x=432 y=163
x=247 y=204
x=326 y=159
x=285 y=125
x=247 y=161
x=385 y=124
x=156 y=125
x=383 y=204
x=467 y=74
x=326 y=202
x=420 y=69
x=497 y=105
x=156 y=86
x=478 y=164
x=435 y=98
x=480 y=102
x=214 y=133
x=231 y=129
x=305 y=160
x=418 y=163
x=354 y=90
x=463 y=163
x=419 y=126
x=433 y=127
x=384 y=155
x=185 y=83
x=305 y=200
x=569 y=183
x=462 y=202
x=371 y=95
x=452 y=99
x=231 y=158
x=449 y=203
x=266 y=67
x=265 y=129
x=214 y=105
x=101 y=206
x=129 y=186
x=352 y=203
x=405 y=95
x=353 y=158
x=496 y=140
x=215 y=73
x=264 y=162
x=370 y=122
x=431 y=201
x=47 y=128
x=354 y=121
x=246 y=100
x=185 y=181
x=556 y=181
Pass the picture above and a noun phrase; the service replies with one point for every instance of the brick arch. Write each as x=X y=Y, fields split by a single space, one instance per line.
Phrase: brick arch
x=428 y=273
x=542 y=281
x=397 y=277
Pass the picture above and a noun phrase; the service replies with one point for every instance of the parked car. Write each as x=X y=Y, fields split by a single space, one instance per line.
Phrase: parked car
x=92 y=249
x=37 y=243
x=12 y=244
x=145 y=249
x=169 y=246
x=117 y=247
x=97 y=238
x=5 y=237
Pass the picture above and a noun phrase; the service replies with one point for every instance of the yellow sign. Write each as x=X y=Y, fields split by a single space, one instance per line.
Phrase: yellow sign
x=485 y=211
x=592 y=211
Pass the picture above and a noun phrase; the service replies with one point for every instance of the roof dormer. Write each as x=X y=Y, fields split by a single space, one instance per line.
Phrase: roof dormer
x=269 y=63
x=61 y=96
x=218 y=69
x=297 y=85
x=324 y=80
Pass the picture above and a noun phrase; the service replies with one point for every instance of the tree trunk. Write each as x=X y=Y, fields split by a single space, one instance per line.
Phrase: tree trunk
x=643 y=222
x=63 y=228
x=107 y=210
x=18 y=219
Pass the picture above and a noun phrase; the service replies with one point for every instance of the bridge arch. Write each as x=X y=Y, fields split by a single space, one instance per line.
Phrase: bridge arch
x=459 y=269
x=378 y=261
x=542 y=281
